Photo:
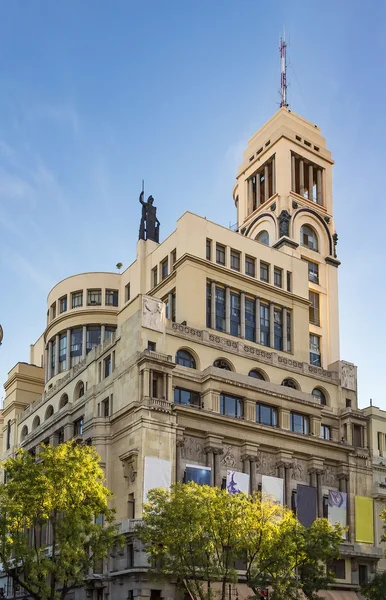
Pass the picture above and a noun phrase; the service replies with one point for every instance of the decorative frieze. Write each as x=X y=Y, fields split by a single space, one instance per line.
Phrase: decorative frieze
x=193 y=449
x=266 y=463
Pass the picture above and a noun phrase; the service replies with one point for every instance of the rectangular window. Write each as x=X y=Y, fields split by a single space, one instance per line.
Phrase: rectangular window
x=76 y=345
x=154 y=276
x=186 y=397
x=78 y=426
x=111 y=297
x=208 y=249
x=264 y=272
x=266 y=415
x=220 y=254
x=130 y=556
x=299 y=423
x=325 y=507
x=93 y=338
x=127 y=292
x=250 y=320
x=94 y=297
x=363 y=574
x=53 y=359
x=63 y=304
x=208 y=305
x=173 y=258
x=164 y=269
x=109 y=332
x=315 y=358
x=107 y=366
x=62 y=352
x=106 y=407
x=264 y=324
x=220 y=309
x=235 y=314
x=338 y=568
x=151 y=346
x=278 y=328
x=231 y=406
x=289 y=281
x=288 y=331
x=170 y=314
x=77 y=299
x=250 y=266
x=278 y=277
x=235 y=260
x=314 y=308
x=60 y=435
x=325 y=432
x=358 y=436
x=313 y=272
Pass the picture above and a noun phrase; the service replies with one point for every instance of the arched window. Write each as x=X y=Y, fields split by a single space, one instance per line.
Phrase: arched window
x=8 y=435
x=256 y=374
x=221 y=363
x=49 y=412
x=24 y=433
x=185 y=359
x=63 y=401
x=308 y=237
x=263 y=237
x=79 y=390
x=320 y=396
x=291 y=383
x=35 y=423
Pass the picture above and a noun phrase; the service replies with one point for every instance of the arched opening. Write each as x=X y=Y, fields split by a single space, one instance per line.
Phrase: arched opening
x=185 y=359
x=320 y=396
x=24 y=433
x=79 y=390
x=256 y=374
x=63 y=401
x=291 y=383
x=49 y=412
x=221 y=363
x=308 y=237
x=35 y=423
x=263 y=237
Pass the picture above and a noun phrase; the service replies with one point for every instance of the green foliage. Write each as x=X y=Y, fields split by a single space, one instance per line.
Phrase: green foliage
x=62 y=491
x=196 y=533
x=376 y=588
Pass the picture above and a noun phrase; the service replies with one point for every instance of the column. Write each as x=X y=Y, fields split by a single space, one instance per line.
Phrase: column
x=246 y=464
x=273 y=175
x=170 y=305
x=169 y=393
x=266 y=183
x=242 y=314
x=319 y=484
x=46 y=363
x=103 y=333
x=213 y=305
x=146 y=383
x=258 y=192
x=217 y=467
x=250 y=195
x=310 y=182
x=54 y=439
x=56 y=354
x=343 y=483
x=288 y=485
x=293 y=173
x=179 y=466
x=84 y=341
x=271 y=325
x=257 y=317
x=253 y=474
x=319 y=188
x=49 y=370
x=301 y=177
x=227 y=309
x=150 y=383
x=313 y=481
x=68 y=350
x=164 y=386
x=285 y=323
x=210 y=463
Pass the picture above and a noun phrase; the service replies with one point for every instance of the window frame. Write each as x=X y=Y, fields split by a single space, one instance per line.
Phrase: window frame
x=325 y=432
x=92 y=297
x=208 y=249
x=235 y=260
x=112 y=294
x=314 y=309
x=264 y=267
x=309 y=245
x=250 y=262
x=63 y=301
x=305 y=423
x=313 y=272
x=164 y=266
x=238 y=412
x=194 y=397
x=185 y=360
x=278 y=277
x=220 y=254
x=273 y=414
x=315 y=357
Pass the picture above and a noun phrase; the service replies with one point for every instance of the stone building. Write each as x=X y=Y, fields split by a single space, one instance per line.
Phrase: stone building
x=215 y=352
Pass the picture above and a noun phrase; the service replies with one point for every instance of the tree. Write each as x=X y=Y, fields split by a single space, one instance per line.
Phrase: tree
x=195 y=534
x=59 y=494
x=376 y=588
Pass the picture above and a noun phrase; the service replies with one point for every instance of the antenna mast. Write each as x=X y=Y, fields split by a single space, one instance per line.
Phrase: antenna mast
x=283 y=73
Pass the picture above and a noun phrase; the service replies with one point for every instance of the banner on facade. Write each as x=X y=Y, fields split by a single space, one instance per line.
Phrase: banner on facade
x=198 y=474
x=237 y=482
x=337 y=508
x=157 y=474
x=364 y=520
x=306 y=499
x=272 y=488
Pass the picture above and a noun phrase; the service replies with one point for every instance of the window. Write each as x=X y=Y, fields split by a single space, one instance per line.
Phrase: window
x=263 y=237
x=348 y=403
x=266 y=415
x=250 y=320
x=358 y=435
x=107 y=366
x=220 y=254
x=209 y=305
x=53 y=310
x=308 y=237
x=170 y=314
x=235 y=260
x=264 y=272
x=79 y=390
x=131 y=506
x=338 y=568
x=299 y=423
x=313 y=272
x=250 y=266
x=325 y=432
x=130 y=556
x=363 y=574
x=63 y=401
x=93 y=338
x=77 y=299
x=106 y=407
x=53 y=359
x=231 y=406
x=94 y=297
x=264 y=324
x=278 y=328
x=62 y=352
x=289 y=383
x=325 y=507
x=24 y=433
x=49 y=412
x=288 y=331
x=173 y=258
x=185 y=359
x=278 y=277
x=220 y=309
x=235 y=314
x=256 y=374
x=9 y=434
x=208 y=249
x=60 y=434
x=154 y=276
x=319 y=395
x=289 y=281
x=186 y=397
x=35 y=423
x=221 y=363
x=109 y=332
x=314 y=308
x=112 y=297
x=78 y=426
x=63 y=304
x=315 y=358
x=164 y=269
x=151 y=346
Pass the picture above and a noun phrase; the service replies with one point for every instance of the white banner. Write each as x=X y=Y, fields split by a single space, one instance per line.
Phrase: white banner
x=272 y=488
x=157 y=474
x=337 y=508
x=237 y=482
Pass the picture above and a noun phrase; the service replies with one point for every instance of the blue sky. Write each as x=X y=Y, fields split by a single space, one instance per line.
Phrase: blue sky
x=95 y=96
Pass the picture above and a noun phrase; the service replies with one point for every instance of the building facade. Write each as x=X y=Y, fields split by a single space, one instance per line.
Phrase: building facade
x=215 y=352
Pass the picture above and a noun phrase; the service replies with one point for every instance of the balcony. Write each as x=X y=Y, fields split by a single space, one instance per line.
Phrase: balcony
x=129 y=525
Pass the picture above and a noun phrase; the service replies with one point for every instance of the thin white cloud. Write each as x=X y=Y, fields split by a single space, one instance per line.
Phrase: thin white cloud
x=14 y=187
x=62 y=114
x=23 y=268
